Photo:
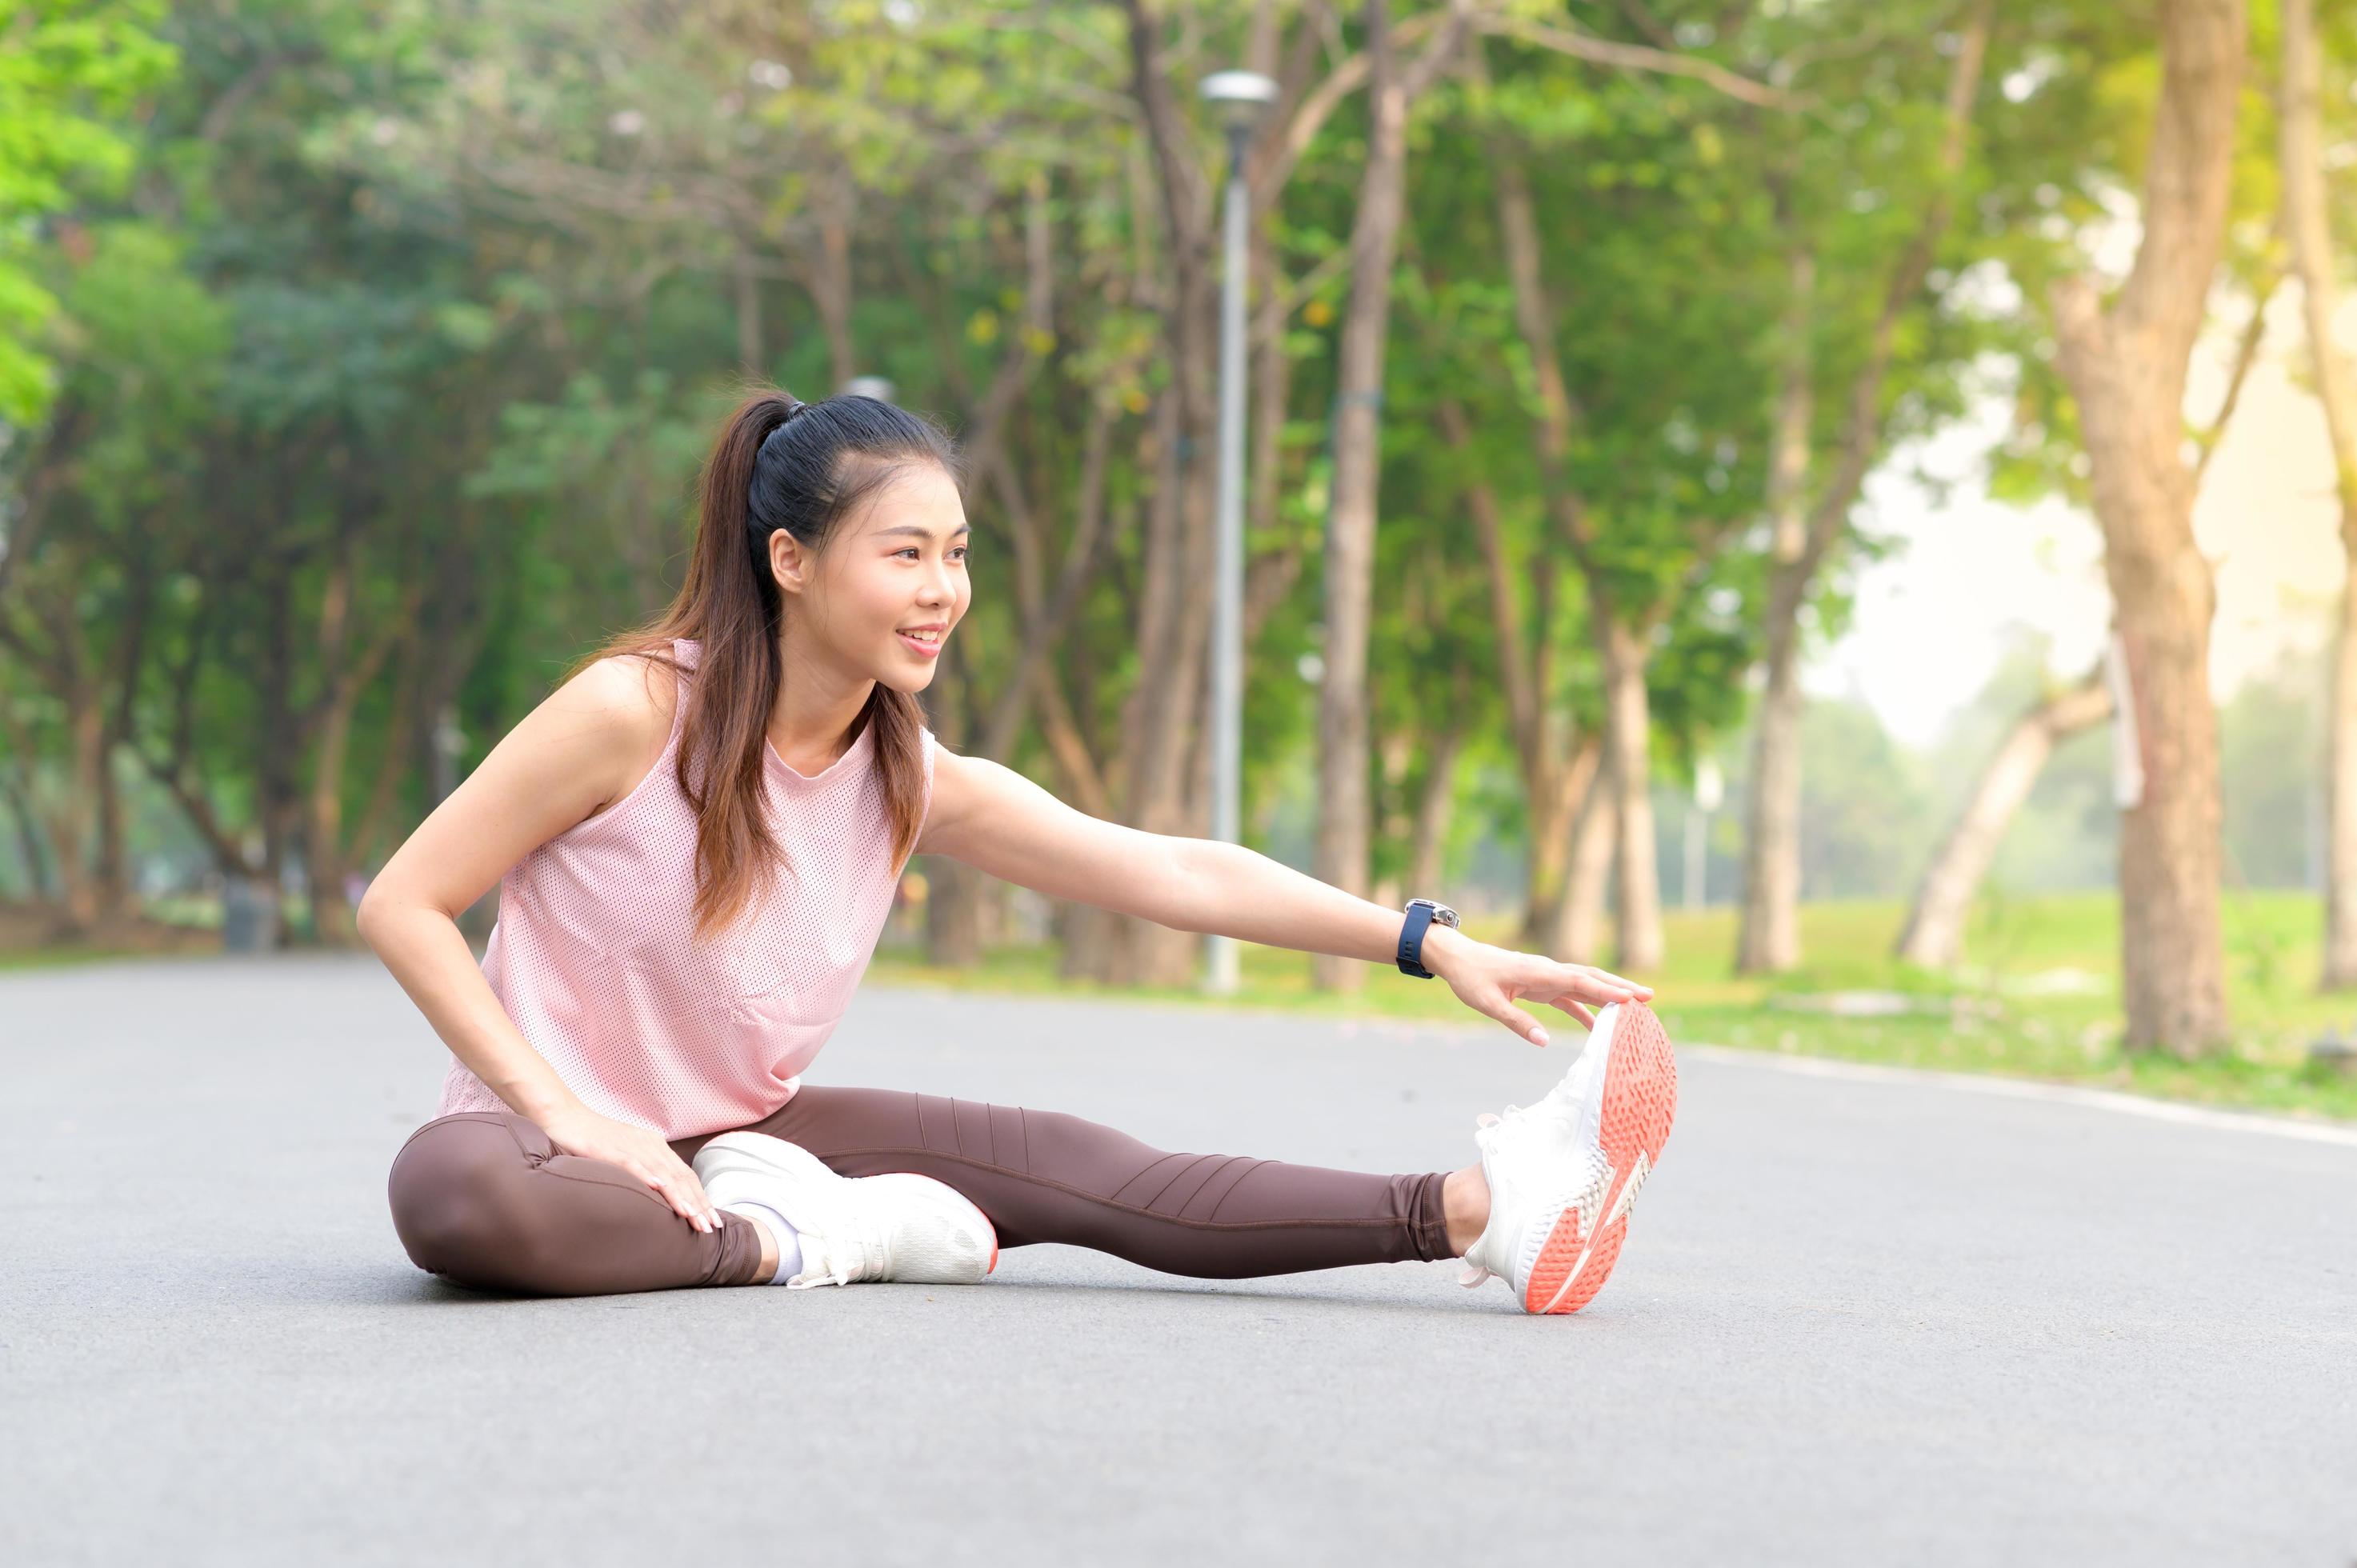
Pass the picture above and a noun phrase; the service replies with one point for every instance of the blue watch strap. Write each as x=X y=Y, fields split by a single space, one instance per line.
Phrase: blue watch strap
x=1411 y=941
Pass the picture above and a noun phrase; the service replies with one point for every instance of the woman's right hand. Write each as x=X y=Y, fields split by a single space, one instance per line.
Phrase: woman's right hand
x=578 y=1129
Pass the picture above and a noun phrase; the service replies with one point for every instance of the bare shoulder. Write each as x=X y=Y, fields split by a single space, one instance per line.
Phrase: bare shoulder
x=586 y=744
x=626 y=702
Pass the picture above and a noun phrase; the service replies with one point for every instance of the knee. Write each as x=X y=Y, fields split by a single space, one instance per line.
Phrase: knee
x=458 y=1201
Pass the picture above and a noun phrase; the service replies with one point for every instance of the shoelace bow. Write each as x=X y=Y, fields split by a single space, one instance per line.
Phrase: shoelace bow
x=859 y=1236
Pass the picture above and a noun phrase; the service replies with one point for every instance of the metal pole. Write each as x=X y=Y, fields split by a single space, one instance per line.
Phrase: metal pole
x=1220 y=952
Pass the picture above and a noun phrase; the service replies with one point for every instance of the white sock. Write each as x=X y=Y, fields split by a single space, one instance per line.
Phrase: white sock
x=789 y=1248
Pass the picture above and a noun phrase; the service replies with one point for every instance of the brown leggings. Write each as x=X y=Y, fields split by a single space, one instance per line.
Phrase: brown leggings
x=483 y=1198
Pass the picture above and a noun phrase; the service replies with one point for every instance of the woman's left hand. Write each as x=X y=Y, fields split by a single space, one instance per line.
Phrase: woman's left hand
x=1489 y=979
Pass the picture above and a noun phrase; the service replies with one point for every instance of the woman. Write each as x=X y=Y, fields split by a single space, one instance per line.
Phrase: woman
x=697 y=838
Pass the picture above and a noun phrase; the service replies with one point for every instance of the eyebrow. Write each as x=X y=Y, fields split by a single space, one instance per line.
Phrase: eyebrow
x=921 y=531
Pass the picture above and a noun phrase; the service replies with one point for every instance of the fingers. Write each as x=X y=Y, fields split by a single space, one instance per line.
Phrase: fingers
x=1585 y=1017
x=679 y=1187
x=704 y=1208
x=1597 y=985
x=1514 y=1018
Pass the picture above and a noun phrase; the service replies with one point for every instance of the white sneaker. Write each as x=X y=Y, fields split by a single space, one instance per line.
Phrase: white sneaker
x=1554 y=1169
x=896 y=1226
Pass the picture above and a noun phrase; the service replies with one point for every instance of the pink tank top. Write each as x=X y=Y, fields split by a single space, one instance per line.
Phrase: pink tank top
x=593 y=958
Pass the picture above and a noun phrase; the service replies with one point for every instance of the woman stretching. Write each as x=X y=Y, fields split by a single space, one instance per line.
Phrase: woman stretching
x=696 y=838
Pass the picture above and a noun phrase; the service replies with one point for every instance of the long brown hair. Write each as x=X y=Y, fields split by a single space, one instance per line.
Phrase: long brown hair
x=803 y=467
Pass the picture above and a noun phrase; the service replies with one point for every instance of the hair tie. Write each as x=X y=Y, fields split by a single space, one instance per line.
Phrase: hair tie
x=795 y=405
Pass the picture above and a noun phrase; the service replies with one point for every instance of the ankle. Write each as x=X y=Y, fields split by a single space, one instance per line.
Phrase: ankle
x=768 y=1269
x=1465 y=1201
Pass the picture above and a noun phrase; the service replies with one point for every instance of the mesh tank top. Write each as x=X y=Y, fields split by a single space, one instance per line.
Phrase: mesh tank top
x=593 y=958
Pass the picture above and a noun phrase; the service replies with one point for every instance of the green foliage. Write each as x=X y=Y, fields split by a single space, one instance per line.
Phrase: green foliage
x=71 y=71
x=420 y=316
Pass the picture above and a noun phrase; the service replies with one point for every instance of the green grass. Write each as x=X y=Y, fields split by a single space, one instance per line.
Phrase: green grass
x=1999 y=1013
x=2010 y=1008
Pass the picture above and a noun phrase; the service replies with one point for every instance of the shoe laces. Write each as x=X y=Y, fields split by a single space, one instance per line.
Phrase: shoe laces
x=1475 y=1274
x=855 y=1248
x=1518 y=1122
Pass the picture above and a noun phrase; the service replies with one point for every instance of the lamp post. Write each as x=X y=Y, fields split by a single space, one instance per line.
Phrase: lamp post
x=1239 y=98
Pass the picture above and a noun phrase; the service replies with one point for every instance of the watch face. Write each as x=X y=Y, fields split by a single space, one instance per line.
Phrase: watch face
x=1443 y=912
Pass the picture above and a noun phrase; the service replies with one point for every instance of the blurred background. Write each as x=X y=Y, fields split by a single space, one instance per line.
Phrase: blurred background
x=1843 y=511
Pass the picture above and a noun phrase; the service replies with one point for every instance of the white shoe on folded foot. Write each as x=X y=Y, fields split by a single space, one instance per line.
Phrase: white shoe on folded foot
x=1563 y=1173
x=896 y=1226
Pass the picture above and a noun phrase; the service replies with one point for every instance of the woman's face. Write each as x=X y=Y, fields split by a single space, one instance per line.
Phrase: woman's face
x=894 y=566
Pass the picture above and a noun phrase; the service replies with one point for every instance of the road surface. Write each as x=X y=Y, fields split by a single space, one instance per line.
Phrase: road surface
x=1860 y=1319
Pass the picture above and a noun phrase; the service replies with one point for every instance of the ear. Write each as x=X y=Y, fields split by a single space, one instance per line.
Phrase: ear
x=790 y=561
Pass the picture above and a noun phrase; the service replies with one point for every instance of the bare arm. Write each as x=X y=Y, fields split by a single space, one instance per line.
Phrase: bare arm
x=565 y=761
x=995 y=819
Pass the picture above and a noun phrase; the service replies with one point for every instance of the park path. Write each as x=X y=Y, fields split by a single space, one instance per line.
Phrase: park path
x=1858 y=1320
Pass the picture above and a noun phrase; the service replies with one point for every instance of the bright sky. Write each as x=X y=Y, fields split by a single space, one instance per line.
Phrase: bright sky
x=1930 y=619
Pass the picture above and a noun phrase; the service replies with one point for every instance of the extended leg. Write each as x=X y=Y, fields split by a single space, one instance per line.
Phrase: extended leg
x=1047 y=1175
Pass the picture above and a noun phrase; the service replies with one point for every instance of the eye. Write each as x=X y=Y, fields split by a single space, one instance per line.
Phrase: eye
x=912 y=550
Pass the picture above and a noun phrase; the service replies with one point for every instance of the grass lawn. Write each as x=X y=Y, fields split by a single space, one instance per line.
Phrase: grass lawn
x=2037 y=997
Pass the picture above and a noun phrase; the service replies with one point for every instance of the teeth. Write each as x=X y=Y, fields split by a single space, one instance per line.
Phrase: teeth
x=923 y=635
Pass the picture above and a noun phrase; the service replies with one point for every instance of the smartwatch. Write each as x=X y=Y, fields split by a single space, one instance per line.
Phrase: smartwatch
x=1421 y=912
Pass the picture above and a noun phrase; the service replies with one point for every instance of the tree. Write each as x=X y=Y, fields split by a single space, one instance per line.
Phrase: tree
x=2126 y=365
x=71 y=71
x=1933 y=934
x=2307 y=219
x=1392 y=87
x=1809 y=513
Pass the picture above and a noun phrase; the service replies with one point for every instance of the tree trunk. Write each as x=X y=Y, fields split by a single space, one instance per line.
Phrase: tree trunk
x=1161 y=743
x=1768 y=938
x=2340 y=783
x=1342 y=825
x=1769 y=941
x=1933 y=936
x=1558 y=764
x=28 y=836
x=830 y=275
x=2126 y=367
x=1578 y=933
x=70 y=823
x=2308 y=222
x=1551 y=857
x=1430 y=843
x=115 y=874
x=1627 y=749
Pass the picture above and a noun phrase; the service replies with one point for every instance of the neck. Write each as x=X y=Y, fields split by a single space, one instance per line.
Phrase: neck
x=817 y=706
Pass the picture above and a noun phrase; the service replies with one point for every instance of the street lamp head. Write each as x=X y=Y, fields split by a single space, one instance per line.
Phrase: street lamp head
x=1239 y=97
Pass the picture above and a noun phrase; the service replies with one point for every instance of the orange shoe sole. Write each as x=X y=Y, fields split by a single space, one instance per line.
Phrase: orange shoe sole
x=1640 y=1098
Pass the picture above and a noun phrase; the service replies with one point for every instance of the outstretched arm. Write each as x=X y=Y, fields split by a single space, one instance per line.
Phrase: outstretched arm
x=997 y=821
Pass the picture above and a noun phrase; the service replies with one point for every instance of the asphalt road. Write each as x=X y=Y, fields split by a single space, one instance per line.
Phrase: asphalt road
x=1872 y=1320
